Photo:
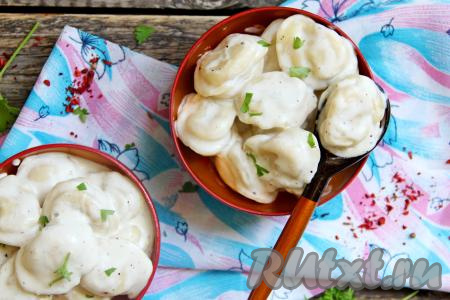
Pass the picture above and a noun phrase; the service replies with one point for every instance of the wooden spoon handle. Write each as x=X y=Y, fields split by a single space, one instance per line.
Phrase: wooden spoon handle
x=289 y=238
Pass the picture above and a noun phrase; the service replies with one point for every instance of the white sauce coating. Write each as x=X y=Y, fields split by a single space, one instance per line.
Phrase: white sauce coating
x=19 y=211
x=270 y=35
x=78 y=293
x=349 y=122
x=132 y=268
x=329 y=56
x=223 y=72
x=38 y=260
x=287 y=155
x=6 y=252
x=45 y=170
x=10 y=288
x=277 y=101
x=204 y=124
x=239 y=172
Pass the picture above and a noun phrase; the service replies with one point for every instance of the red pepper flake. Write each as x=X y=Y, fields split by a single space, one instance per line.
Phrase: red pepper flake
x=412 y=235
x=94 y=60
x=47 y=82
x=397 y=178
x=100 y=96
x=13 y=67
x=404 y=227
x=368 y=224
x=348 y=218
x=84 y=71
x=407 y=203
x=336 y=237
x=355 y=235
x=389 y=208
x=405 y=213
x=381 y=221
x=2 y=63
x=76 y=72
x=373 y=203
x=107 y=62
x=448 y=162
x=71 y=133
x=410 y=155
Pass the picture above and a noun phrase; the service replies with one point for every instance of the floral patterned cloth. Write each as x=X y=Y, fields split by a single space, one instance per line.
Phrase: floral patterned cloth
x=103 y=95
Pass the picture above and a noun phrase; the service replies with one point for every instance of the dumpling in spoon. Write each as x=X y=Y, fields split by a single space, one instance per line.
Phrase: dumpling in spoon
x=223 y=72
x=204 y=124
x=269 y=37
x=19 y=211
x=241 y=172
x=290 y=157
x=275 y=100
x=313 y=52
x=349 y=123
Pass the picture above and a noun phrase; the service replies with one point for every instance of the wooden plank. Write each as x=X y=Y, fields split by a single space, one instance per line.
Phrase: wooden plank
x=173 y=37
x=157 y=4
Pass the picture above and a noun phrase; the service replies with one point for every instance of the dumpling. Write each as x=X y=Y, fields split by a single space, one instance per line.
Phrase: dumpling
x=78 y=293
x=349 y=123
x=19 y=211
x=204 y=124
x=327 y=55
x=122 y=269
x=10 y=287
x=45 y=170
x=139 y=231
x=6 y=252
x=91 y=204
x=291 y=157
x=270 y=36
x=275 y=100
x=54 y=261
x=223 y=72
x=241 y=173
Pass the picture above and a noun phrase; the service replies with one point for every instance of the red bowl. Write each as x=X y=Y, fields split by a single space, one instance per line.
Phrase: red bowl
x=202 y=168
x=106 y=160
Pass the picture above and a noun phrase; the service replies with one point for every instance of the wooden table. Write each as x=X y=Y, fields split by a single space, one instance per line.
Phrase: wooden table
x=178 y=24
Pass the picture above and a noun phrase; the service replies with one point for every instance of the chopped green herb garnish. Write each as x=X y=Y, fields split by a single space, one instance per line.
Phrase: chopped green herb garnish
x=43 y=221
x=130 y=146
x=104 y=213
x=336 y=294
x=260 y=170
x=142 y=33
x=264 y=43
x=245 y=107
x=298 y=43
x=311 y=141
x=82 y=113
x=299 y=72
x=8 y=114
x=188 y=187
x=110 y=271
x=82 y=186
x=255 y=114
x=62 y=271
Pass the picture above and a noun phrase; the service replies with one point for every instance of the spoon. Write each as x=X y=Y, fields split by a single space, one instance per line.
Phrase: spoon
x=329 y=165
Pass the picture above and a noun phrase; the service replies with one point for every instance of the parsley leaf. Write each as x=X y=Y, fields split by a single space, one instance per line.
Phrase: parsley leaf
x=245 y=107
x=336 y=294
x=81 y=113
x=104 y=213
x=130 y=146
x=188 y=187
x=298 y=43
x=255 y=114
x=62 y=271
x=82 y=186
x=299 y=72
x=110 y=271
x=260 y=170
x=264 y=43
x=43 y=221
x=8 y=114
x=311 y=141
x=142 y=33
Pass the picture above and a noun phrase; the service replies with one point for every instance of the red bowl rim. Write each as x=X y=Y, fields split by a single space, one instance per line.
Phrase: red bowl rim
x=217 y=26
x=129 y=174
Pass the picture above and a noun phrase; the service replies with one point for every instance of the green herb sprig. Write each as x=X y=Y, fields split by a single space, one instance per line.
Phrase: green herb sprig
x=62 y=271
x=104 y=213
x=264 y=43
x=109 y=271
x=142 y=33
x=311 y=141
x=299 y=72
x=298 y=43
x=260 y=170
